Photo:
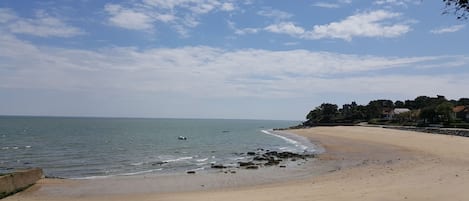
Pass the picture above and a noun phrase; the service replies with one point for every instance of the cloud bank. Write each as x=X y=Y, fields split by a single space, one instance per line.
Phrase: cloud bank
x=214 y=72
x=43 y=25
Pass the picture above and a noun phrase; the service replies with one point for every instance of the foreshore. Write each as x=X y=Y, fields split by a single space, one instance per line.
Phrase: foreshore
x=360 y=163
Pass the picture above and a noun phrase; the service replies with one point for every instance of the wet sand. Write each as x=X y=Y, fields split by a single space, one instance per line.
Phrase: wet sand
x=360 y=163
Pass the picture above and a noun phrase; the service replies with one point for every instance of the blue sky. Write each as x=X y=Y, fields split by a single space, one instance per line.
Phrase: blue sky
x=247 y=59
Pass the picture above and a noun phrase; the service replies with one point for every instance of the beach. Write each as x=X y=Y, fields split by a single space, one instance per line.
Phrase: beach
x=359 y=163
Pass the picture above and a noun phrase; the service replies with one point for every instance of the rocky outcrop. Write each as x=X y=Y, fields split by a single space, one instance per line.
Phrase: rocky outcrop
x=263 y=158
x=218 y=166
x=17 y=181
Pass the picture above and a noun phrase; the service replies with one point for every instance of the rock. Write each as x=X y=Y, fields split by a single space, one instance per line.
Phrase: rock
x=260 y=158
x=218 y=166
x=283 y=166
x=244 y=164
x=252 y=167
x=272 y=162
x=159 y=163
x=191 y=172
x=251 y=153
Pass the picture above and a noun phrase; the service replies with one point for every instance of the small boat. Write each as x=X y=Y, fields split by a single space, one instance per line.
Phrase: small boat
x=182 y=138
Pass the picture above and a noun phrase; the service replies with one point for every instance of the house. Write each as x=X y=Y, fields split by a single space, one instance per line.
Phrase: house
x=397 y=111
x=461 y=112
x=387 y=113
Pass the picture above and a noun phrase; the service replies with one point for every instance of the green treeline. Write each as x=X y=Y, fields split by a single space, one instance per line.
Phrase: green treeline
x=422 y=111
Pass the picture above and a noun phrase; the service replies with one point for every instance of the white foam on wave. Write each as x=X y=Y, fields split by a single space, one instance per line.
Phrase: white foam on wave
x=286 y=139
x=140 y=172
x=202 y=160
x=123 y=174
x=93 y=177
x=197 y=169
x=178 y=159
x=238 y=158
x=137 y=164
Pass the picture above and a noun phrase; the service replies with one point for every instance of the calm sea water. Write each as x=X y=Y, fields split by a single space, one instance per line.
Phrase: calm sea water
x=100 y=147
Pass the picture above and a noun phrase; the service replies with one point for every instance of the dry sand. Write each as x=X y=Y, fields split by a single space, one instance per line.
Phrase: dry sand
x=360 y=163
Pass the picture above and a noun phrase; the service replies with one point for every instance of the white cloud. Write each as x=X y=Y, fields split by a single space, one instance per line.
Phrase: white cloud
x=336 y=4
x=285 y=28
x=43 y=25
x=326 y=5
x=372 y=24
x=181 y=15
x=403 y=3
x=6 y=15
x=449 y=29
x=242 y=31
x=227 y=7
x=368 y=24
x=129 y=19
x=202 y=71
x=276 y=14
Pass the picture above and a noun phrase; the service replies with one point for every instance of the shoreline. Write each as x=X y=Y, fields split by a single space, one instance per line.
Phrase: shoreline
x=360 y=163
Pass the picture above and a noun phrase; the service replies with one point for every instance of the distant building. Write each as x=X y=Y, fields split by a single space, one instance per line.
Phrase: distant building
x=400 y=110
x=461 y=112
x=389 y=113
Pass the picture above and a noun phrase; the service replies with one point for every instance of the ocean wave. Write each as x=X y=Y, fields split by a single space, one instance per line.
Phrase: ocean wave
x=140 y=172
x=178 y=159
x=288 y=140
x=122 y=174
x=137 y=164
x=16 y=147
x=237 y=158
x=197 y=169
x=93 y=177
x=202 y=160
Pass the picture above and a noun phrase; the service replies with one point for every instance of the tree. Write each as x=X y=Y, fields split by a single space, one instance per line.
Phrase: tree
x=314 y=115
x=375 y=108
x=459 y=7
x=463 y=101
x=422 y=101
x=444 y=111
x=324 y=113
x=399 y=104
x=328 y=111
x=428 y=114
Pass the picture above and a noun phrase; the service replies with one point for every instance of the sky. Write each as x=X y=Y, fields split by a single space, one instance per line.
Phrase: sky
x=233 y=59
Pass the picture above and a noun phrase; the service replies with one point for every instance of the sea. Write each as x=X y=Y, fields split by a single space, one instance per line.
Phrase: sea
x=87 y=148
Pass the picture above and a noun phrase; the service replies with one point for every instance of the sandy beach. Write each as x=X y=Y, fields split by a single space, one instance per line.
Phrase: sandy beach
x=360 y=163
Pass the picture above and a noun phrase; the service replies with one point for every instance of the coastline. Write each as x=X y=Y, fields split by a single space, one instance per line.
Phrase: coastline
x=360 y=163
